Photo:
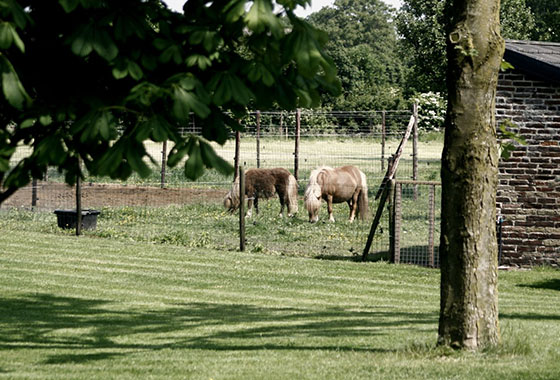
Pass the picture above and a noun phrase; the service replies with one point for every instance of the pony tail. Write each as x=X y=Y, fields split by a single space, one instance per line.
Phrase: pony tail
x=363 y=198
x=292 y=195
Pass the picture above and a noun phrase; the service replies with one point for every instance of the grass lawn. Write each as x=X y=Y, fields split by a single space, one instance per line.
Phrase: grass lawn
x=91 y=307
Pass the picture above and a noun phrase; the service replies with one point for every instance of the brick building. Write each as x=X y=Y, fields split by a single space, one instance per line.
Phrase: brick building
x=528 y=196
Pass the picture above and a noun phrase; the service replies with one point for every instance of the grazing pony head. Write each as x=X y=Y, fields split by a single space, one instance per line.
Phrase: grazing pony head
x=313 y=194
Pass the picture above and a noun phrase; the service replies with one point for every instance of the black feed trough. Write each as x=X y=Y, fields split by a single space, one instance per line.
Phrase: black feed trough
x=67 y=219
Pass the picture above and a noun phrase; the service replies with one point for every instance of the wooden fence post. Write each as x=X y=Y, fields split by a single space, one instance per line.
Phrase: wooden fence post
x=415 y=149
x=242 y=209
x=397 y=223
x=163 y=163
x=296 y=149
x=34 y=194
x=383 y=136
x=78 y=200
x=432 y=214
x=258 y=139
x=236 y=157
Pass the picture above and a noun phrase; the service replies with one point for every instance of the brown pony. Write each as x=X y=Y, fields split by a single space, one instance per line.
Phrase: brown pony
x=344 y=184
x=264 y=183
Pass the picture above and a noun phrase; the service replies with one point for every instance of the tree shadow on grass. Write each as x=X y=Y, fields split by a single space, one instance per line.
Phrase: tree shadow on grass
x=551 y=284
x=44 y=321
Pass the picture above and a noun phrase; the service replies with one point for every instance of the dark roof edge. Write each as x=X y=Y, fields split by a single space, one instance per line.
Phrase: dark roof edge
x=532 y=66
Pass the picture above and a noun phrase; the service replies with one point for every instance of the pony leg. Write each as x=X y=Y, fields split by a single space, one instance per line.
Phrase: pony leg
x=330 y=208
x=353 y=203
x=249 y=208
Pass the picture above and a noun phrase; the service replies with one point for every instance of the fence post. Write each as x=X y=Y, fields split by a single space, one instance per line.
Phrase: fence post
x=296 y=150
x=397 y=223
x=415 y=149
x=163 y=163
x=258 y=139
x=432 y=224
x=34 y=194
x=383 y=132
x=236 y=157
x=78 y=200
x=391 y=207
x=242 y=209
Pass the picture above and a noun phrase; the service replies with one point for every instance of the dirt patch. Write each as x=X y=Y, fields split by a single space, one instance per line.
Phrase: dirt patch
x=52 y=196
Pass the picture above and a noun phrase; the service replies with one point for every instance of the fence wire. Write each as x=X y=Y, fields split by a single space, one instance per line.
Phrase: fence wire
x=364 y=139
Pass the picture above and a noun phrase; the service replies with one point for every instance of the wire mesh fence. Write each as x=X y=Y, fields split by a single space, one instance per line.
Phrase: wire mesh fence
x=363 y=139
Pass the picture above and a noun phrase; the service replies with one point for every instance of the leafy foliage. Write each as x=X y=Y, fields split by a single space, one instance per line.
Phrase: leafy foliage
x=431 y=111
x=92 y=80
x=362 y=42
x=421 y=23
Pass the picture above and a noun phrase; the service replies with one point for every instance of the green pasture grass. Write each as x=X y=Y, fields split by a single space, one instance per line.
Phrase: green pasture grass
x=87 y=307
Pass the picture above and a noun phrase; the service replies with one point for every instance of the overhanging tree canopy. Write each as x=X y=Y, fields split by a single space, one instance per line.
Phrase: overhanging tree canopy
x=94 y=79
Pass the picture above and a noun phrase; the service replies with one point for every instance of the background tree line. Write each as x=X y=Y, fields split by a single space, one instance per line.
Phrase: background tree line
x=387 y=57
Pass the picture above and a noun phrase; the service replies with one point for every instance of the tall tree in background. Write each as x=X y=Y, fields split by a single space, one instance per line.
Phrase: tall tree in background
x=421 y=24
x=468 y=247
x=547 y=16
x=362 y=43
x=91 y=80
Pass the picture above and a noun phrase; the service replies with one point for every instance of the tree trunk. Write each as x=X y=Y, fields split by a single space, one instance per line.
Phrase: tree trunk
x=468 y=247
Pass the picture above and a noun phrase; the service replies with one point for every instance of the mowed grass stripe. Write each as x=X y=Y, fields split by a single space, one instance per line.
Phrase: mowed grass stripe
x=334 y=281
x=282 y=292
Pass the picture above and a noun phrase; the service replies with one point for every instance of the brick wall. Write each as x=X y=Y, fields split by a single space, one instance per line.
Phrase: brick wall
x=529 y=191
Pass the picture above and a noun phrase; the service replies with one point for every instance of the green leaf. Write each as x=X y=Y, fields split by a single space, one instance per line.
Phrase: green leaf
x=120 y=73
x=135 y=70
x=45 y=120
x=69 y=5
x=6 y=35
x=103 y=45
x=212 y=160
x=13 y=90
x=198 y=60
x=134 y=155
x=194 y=167
x=260 y=17
x=184 y=101
x=176 y=154
x=82 y=42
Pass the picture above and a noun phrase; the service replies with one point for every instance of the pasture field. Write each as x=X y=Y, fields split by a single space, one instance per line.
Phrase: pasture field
x=90 y=307
x=363 y=152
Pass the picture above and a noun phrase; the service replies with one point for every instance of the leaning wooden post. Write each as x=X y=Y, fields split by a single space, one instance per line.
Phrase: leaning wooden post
x=236 y=158
x=296 y=150
x=78 y=200
x=163 y=163
x=415 y=149
x=258 y=139
x=376 y=219
x=242 y=209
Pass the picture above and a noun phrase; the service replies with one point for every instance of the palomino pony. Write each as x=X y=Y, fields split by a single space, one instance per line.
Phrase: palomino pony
x=264 y=183
x=344 y=184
